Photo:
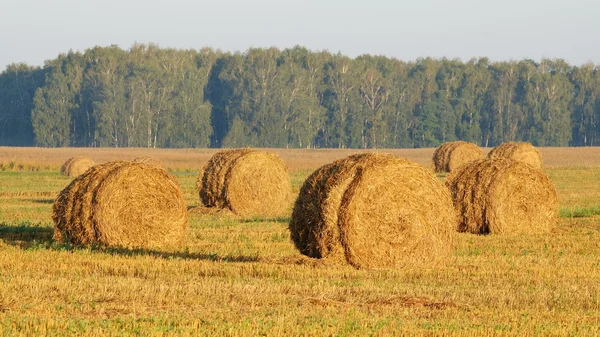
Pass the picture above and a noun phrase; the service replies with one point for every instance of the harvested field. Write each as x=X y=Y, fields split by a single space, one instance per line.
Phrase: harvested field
x=245 y=277
x=35 y=159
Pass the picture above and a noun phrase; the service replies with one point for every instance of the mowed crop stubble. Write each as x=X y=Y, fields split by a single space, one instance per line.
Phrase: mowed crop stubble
x=238 y=275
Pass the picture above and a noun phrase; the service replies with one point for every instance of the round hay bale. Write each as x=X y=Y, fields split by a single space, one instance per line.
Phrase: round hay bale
x=75 y=166
x=314 y=224
x=439 y=157
x=503 y=196
x=139 y=205
x=451 y=155
x=80 y=218
x=379 y=210
x=150 y=160
x=122 y=204
x=70 y=225
x=213 y=177
x=463 y=153
x=519 y=151
x=246 y=181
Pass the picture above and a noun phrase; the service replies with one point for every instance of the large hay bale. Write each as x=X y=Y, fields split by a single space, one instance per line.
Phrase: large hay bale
x=375 y=210
x=71 y=211
x=75 y=166
x=248 y=182
x=450 y=155
x=519 y=151
x=503 y=196
x=122 y=204
x=314 y=223
x=150 y=160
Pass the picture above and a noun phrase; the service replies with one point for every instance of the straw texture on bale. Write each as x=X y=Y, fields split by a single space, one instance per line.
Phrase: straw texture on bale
x=198 y=184
x=121 y=204
x=75 y=166
x=314 y=224
x=150 y=160
x=246 y=181
x=503 y=196
x=374 y=211
x=213 y=177
x=451 y=155
x=519 y=151
x=440 y=156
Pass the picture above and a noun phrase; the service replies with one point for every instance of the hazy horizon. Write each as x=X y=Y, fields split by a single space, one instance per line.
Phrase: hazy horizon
x=34 y=31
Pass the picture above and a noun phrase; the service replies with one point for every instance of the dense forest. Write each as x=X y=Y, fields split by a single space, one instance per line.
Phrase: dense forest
x=149 y=96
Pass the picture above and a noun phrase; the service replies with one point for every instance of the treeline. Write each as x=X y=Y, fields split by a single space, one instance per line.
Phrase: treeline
x=154 y=97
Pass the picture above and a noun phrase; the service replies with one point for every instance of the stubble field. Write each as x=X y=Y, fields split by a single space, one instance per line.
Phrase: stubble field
x=243 y=276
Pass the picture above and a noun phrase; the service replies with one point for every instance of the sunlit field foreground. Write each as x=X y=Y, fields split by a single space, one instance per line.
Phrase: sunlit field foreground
x=243 y=276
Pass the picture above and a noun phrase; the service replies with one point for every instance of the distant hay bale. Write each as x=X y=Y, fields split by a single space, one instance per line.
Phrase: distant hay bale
x=440 y=156
x=519 y=151
x=121 y=204
x=213 y=175
x=462 y=154
x=246 y=181
x=150 y=160
x=503 y=196
x=374 y=211
x=75 y=166
x=450 y=155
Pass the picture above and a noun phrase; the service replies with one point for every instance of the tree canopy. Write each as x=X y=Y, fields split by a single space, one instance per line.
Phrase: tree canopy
x=149 y=96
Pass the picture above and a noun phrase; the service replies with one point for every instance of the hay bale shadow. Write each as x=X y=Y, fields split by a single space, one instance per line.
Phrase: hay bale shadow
x=266 y=219
x=25 y=234
x=226 y=213
x=393 y=301
x=202 y=210
x=39 y=201
x=183 y=255
x=28 y=236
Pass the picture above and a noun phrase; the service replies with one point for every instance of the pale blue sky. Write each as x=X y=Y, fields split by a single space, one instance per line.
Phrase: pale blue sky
x=33 y=31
